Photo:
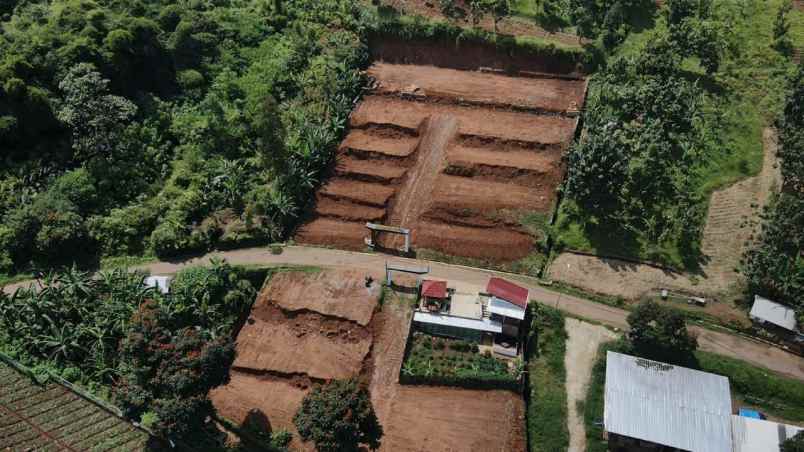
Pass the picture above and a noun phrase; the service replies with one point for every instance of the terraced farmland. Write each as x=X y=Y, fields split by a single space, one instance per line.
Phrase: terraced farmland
x=51 y=417
x=455 y=155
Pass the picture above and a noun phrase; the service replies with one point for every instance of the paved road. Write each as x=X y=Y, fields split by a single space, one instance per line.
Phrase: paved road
x=745 y=349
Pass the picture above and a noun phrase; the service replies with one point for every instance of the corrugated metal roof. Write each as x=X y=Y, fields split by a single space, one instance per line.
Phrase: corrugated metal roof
x=502 y=307
x=458 y=322
x=508 y=291
x=434 y=289
x=756 y=435
x=769 y=311
x=667 y=405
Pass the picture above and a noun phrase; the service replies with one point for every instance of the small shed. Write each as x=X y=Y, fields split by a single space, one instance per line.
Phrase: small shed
x=435 y=295
x=765 y=311
x=160 y=283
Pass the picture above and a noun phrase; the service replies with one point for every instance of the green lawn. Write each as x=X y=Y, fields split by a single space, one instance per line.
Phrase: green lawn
x=547 y=410
x=745 y=95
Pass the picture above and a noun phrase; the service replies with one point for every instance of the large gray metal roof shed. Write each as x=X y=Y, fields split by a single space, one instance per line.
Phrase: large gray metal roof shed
x=668 y=405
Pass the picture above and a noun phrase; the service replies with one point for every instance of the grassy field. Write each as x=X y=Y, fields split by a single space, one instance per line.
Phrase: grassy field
x=745 y=95
x=547 y=411
x=773 y=394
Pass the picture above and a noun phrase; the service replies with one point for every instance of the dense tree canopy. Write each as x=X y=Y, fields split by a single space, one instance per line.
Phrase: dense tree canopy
x=660 y=333
x=160 y=353
x=219 y=116
x=775 y=265
x=338 y=417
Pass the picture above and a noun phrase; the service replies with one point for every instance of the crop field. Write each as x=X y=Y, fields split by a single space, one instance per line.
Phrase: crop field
x=50 y=417
x=304 y=328
x=458 y=156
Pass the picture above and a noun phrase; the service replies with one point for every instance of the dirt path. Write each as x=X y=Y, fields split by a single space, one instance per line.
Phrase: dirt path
x=730 y=223
x=742 y=348
x=582 y=345
x=420 y=180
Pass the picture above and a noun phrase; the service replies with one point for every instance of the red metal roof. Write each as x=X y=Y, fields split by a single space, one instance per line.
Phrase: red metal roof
x=434 y=289
x=508 y=291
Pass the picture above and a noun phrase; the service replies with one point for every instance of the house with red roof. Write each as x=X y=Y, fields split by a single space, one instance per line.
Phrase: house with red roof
x=493 y=316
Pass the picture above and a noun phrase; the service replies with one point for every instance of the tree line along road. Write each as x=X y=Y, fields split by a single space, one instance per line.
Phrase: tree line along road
x=754 y=352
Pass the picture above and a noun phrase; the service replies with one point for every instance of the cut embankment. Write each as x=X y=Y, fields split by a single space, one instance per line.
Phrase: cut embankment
x=455 y=192
x=542 y=130
x=379 y=143
x=333 y=232
x=368 y=170
x=479 y=88
x=497 y=244
x=333 y=293
x=312 y=344
x=348 y=211
x=359 y=192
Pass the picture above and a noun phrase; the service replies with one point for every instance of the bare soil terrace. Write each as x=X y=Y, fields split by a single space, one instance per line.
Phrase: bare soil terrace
x=442 y=151
x=305 y=327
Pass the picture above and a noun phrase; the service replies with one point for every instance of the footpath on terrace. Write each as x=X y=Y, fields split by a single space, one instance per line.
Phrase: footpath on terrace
x=754 y=352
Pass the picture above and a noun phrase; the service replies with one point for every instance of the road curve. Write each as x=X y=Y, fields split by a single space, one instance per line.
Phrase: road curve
x=754 y=352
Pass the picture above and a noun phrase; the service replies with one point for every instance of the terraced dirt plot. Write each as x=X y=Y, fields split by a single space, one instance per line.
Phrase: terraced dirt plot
x=304 y=328
x=341 y=294
x=456 y=156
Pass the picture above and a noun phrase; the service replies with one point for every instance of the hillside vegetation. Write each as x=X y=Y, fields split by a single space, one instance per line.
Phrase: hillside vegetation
x=166 y=127
x=675 y=112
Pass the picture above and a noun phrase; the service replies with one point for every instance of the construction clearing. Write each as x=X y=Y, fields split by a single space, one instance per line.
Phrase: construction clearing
x=455 y=154
x=300 y=332
x=306 y=327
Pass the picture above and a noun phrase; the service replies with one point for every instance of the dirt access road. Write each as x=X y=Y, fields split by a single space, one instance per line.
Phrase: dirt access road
x=583 y=341
x=742 y=348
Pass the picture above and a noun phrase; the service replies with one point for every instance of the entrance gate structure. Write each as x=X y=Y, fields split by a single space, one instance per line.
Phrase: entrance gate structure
x=390 y=268
x=376 y=229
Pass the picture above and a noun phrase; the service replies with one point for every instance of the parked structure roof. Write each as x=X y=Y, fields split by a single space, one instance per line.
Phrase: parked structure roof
x=160 y=283
x=667 y=405
x=768 y=311
x=508 y=291
x=504 y=308
x=434 y=289
x=757 y=435
x=458 y=322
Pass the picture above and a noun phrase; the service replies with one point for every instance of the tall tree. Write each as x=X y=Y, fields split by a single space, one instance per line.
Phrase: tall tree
x=660 y=333
x=339 y=417
x=95 y=117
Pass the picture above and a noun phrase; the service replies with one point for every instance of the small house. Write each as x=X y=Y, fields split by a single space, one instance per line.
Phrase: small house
x=493 y=318
x=434 y=296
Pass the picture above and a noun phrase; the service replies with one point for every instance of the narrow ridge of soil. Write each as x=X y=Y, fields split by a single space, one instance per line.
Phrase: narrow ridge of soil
x=419 y=181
